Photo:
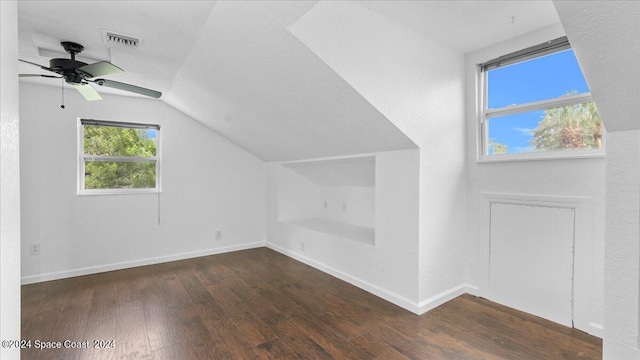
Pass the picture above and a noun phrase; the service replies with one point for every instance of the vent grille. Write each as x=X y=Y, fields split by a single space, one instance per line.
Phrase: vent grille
x=111 y=37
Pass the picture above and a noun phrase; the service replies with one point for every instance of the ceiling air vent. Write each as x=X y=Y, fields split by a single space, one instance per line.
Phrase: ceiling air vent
x=112 y=37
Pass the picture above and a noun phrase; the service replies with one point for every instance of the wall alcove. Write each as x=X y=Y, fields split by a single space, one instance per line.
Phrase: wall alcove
x=335 y=197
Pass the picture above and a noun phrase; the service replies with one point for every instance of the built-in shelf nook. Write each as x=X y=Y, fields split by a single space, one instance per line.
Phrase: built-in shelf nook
x=335 y=197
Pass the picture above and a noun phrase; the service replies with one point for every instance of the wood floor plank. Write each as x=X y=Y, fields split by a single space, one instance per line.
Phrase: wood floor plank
x=72 y=325
x=376 y=348
x=43 y=315
x=192 y=349
x=242 y=314
x=205 y=304
x=232 y=338
x=131 y=330
x=326 y=337
x=133 y=351
x=253 y=299
x=259 y=304
x=326 y=307
x=303 y=346
x=101 y=319
x=138 y=299
x=275 y=349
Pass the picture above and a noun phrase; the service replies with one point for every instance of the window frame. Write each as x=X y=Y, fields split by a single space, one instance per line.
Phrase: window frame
x=485 y=114
x=82 y=158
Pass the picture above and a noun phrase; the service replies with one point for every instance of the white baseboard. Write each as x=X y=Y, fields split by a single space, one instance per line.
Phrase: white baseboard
x=472 y=290
x=439 y=299
x=134 y=263
x=392 y=297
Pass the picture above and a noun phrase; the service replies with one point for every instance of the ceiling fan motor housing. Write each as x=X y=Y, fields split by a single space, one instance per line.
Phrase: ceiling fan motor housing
x=67 y=68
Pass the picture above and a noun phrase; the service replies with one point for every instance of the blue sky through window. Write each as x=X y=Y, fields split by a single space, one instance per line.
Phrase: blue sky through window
x=542 y=78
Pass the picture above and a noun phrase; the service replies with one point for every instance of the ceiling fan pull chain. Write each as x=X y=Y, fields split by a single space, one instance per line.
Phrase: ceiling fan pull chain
x=62 y=88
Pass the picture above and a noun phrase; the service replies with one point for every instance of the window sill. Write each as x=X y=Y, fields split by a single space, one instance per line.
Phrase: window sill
x=117 y=192
x=560 y=155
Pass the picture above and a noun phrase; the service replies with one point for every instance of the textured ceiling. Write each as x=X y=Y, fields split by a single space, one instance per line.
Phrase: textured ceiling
x=610 y=67
x=235 y=67
x=467 y=26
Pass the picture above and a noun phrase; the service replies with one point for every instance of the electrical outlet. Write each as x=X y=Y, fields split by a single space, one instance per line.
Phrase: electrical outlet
x=344 y=206
x=302 y=245
x=218 y=234
x=34 y=249
x=325 y=204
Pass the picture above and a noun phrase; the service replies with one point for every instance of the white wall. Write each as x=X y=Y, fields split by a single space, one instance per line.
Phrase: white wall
x=9 y=180
x=208 y=184
x=623 y=246
x=348 y=204
x=297 y=195
x=418 y=84
x=583 y=179
x=388 y=268
x=604 y=35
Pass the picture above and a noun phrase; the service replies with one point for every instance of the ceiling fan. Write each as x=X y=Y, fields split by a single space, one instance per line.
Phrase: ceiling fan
x=80 y=75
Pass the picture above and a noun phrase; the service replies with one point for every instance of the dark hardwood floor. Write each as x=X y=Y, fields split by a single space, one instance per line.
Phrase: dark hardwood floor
x=258 y=304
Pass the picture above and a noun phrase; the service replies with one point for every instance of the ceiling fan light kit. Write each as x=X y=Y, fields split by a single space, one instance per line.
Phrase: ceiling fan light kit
x=80 y=74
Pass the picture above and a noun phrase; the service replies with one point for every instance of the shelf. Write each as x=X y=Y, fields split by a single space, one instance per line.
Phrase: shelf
x=361 y=234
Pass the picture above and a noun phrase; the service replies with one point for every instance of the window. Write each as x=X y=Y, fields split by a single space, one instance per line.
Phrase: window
x=118 y=157
x=536 y=103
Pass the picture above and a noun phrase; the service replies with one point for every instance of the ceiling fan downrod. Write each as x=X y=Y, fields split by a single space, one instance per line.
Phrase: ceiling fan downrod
x=72 y=48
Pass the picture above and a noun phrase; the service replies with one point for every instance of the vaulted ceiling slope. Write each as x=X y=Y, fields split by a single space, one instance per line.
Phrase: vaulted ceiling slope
x=273 y=95
x=236 y=67
x=231 y=65
x=605 y=38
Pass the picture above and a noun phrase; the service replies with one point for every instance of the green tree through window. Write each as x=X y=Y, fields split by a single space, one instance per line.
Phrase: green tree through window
x=569 y=127
x=119 y=157
x=496 y=148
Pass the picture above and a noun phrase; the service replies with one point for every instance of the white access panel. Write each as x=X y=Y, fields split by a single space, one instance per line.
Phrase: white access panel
x=531 y=259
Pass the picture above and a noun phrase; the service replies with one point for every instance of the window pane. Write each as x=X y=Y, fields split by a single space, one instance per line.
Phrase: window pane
x=119 y=175
x=117 y=141
x=564 y=128
x=542 y=78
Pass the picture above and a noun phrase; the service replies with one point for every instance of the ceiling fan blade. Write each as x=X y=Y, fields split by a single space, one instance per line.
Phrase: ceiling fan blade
x=128 y=87
x=39 y=75
x=88 y=92
x=34 y=64
x=99 y=69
